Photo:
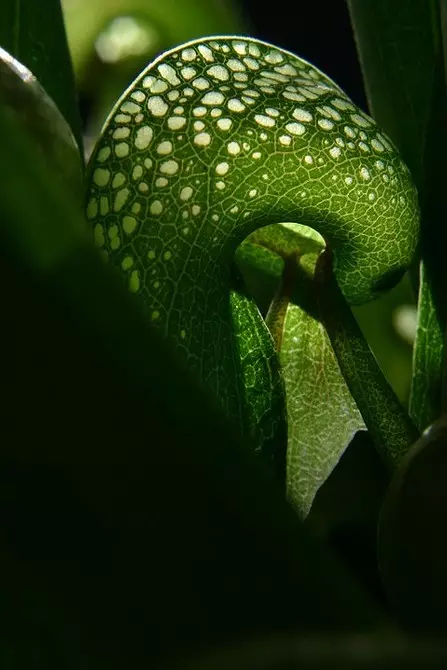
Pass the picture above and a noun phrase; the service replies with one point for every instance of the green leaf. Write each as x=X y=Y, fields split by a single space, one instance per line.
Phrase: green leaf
x=166 y=23
x=391 y=429
x=189 y=164
x=154 y=493
x=322 y=415
x=26 y=99
x=400 y=50
x=34 y=34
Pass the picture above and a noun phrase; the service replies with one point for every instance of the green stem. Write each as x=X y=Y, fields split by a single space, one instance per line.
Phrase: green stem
x=391 y=429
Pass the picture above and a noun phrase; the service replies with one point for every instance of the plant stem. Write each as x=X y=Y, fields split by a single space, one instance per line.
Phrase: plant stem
x=390 y=427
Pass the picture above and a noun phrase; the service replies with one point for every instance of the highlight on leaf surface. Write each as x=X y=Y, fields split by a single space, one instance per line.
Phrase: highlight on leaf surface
x=22 y=95
x=322 y=414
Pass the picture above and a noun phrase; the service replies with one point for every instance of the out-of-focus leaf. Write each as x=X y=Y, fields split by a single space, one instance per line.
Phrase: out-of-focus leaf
x=34 y=34
x=400 y=50
x=168 y=23
x=412 y=540
x=23 y=96
x=189 y=542
x=398 y=46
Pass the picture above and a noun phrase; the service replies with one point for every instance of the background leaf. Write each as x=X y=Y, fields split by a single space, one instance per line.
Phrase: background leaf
x=111 y=41
x=25 y=98
x=33 y=33
x=400 y=50
x=171 y=22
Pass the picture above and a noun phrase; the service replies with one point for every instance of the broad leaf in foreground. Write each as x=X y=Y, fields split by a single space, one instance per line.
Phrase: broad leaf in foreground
x=125 y=436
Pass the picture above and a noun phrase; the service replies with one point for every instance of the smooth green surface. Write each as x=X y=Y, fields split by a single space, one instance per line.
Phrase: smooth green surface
x=25 y=98
x=34 y=33
x=170 y=22
x=220 y=137
x=400 y=50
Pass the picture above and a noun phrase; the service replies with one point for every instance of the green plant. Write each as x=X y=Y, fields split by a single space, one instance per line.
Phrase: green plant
x=245 y=202
x=213 y=141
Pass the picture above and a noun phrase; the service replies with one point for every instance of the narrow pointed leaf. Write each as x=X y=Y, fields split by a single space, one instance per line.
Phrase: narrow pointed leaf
x=400 y=50
x=33 y=32
x=25 y=98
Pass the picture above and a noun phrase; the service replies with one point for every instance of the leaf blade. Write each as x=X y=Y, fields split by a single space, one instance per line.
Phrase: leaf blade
x=34 y=34
x=321 y=413
x=404 y=77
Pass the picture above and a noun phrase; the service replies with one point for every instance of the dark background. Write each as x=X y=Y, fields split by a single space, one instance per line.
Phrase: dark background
x=319 y=33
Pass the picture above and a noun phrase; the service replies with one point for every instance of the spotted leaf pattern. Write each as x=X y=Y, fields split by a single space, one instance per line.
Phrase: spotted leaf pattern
x=214 y=140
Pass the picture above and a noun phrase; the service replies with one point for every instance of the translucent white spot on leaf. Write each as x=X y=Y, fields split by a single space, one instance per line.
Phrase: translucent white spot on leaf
x=157 y=106
x=202 y=139
x=156 y=207
x=185 y=193
x=224 y=124
x=296 y=128
x=222 y=168
x=143 y=137
x=213 y=98
x=176 y=122
x=164 y=148
x=218 y=72
x=233 y=148
x=101 y=176
x=169 y=167
x=265 y=121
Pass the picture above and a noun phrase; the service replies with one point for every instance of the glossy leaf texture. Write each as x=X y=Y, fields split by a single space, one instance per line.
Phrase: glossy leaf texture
x=34 y=34
x=400 y=50
x=322 y=416
x=119 y=470
x=23 y=97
